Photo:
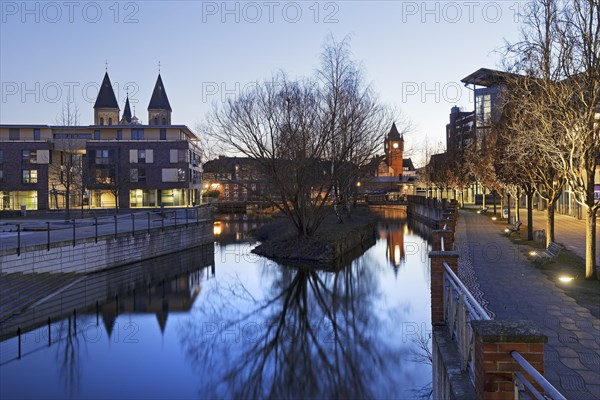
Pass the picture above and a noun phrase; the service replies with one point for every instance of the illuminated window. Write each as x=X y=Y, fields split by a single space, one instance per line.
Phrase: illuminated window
x=30 y=176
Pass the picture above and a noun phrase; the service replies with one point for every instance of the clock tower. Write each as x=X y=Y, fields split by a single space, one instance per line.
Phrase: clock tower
x=394 y=149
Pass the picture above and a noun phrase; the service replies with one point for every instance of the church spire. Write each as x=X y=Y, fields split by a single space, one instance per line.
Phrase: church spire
x=126 y=118
x=106 y=95
x=106 y=108
x=159 y=109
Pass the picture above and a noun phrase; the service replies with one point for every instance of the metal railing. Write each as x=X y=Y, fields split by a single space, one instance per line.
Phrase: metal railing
x=19 y=235
x=460 y=308
x=523 y=386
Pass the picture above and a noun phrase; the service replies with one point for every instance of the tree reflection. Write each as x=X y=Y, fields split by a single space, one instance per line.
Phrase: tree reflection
x=314 y=335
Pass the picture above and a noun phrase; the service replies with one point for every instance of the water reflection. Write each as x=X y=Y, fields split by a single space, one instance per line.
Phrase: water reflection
x=175 y=328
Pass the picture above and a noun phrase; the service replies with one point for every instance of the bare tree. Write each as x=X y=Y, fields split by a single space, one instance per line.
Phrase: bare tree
x=309 y=136
x=560 y=55
x=66 y=172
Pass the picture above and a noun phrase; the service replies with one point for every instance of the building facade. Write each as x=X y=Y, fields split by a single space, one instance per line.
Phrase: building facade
x=117 y=162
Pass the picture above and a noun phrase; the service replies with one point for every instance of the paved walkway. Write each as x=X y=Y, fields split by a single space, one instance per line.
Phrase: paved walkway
x=513 y=288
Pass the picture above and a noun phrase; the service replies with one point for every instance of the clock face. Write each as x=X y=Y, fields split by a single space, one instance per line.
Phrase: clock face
x=395 y=145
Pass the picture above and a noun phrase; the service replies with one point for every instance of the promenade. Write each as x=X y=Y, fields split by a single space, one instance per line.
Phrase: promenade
x=512 y=288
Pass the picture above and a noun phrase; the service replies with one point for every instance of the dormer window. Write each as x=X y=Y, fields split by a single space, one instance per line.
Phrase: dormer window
x=101 y=120
x=110 y=121
x=164 y=121
x=155 y=121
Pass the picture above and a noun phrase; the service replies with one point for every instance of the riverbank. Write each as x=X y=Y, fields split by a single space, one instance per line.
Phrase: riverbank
x=331 y=241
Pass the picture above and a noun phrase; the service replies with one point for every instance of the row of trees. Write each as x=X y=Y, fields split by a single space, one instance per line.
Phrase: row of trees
x=310 y=136
x=547 y=134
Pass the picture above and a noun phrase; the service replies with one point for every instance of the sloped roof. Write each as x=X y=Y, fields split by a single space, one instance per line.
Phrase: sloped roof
x=159 y=100
x=127 y=111
x=487 y=77
x=106 y=95
x=394 y=134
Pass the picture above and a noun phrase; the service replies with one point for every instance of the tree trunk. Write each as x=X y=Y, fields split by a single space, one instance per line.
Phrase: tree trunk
x=550 y=223
x=517 y=208
x=508 y=206
x=590 y=245
x=529 y=193
x=482 y=196
x=494 y=194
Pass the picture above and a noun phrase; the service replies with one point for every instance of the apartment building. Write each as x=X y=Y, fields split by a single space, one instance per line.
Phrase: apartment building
x=117 y=162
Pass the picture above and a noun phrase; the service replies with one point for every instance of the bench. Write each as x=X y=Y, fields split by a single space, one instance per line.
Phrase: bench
x=483 y=210
x=548 y=254
x=516 y=228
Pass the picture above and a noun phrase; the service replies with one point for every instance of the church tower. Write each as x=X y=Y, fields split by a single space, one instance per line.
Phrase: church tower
x=159 y=109
x=106 y=108
x=394 y=149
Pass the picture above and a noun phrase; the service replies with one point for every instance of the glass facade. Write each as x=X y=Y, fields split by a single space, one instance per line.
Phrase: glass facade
x=15 y=199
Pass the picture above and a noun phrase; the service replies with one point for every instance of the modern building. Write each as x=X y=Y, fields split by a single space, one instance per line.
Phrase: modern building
x=118 y=161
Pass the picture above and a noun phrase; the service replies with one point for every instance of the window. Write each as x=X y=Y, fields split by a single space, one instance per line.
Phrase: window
x=110 y=121
x=119 y=134
x=13 y=134
x=29 y=176
x=105 y=176
x=137 y=134
x=36 y=134
x=138 y=174
x=101 y=120
x=141 y=156
x=155 y=121
x=102 y=157
x=164 y=121
x=483 y=110
x=1 y=156
x=181 y=175
x=163 y=134
x=178 y=155
x=97 y=135
x=29 y=156
x=1 y=175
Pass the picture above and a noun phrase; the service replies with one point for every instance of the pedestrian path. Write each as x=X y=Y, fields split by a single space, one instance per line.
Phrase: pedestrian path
x=568 y=231
x=512 y=288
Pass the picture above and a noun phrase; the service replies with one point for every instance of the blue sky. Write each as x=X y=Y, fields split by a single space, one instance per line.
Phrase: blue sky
x=414 y=52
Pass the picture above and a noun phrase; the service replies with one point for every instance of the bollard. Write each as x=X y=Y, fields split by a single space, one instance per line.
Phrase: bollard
x=73 y=233
x=48 y=227
x=162 y=223
x=96 y=223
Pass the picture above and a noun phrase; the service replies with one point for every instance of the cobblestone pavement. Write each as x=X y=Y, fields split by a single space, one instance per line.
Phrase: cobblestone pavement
x=512 y=288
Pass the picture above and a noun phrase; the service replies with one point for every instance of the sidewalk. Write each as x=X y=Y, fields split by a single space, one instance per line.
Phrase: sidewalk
x=568 y=231
x=512 y=288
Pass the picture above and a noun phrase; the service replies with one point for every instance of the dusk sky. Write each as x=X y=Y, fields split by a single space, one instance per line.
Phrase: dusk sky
x=413 y=53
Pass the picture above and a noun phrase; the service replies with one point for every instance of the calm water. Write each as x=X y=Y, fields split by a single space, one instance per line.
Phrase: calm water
x=230 y=324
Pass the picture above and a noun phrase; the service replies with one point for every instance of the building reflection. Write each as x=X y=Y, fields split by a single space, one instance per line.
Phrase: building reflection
x=235 y=228
x=175 y=295
x=392 y=229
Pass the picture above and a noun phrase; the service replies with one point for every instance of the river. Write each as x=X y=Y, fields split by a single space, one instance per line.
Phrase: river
x=221 y=322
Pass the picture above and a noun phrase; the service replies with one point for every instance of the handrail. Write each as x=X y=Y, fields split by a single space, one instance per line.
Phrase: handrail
x=537 y=377
x=482 y=313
